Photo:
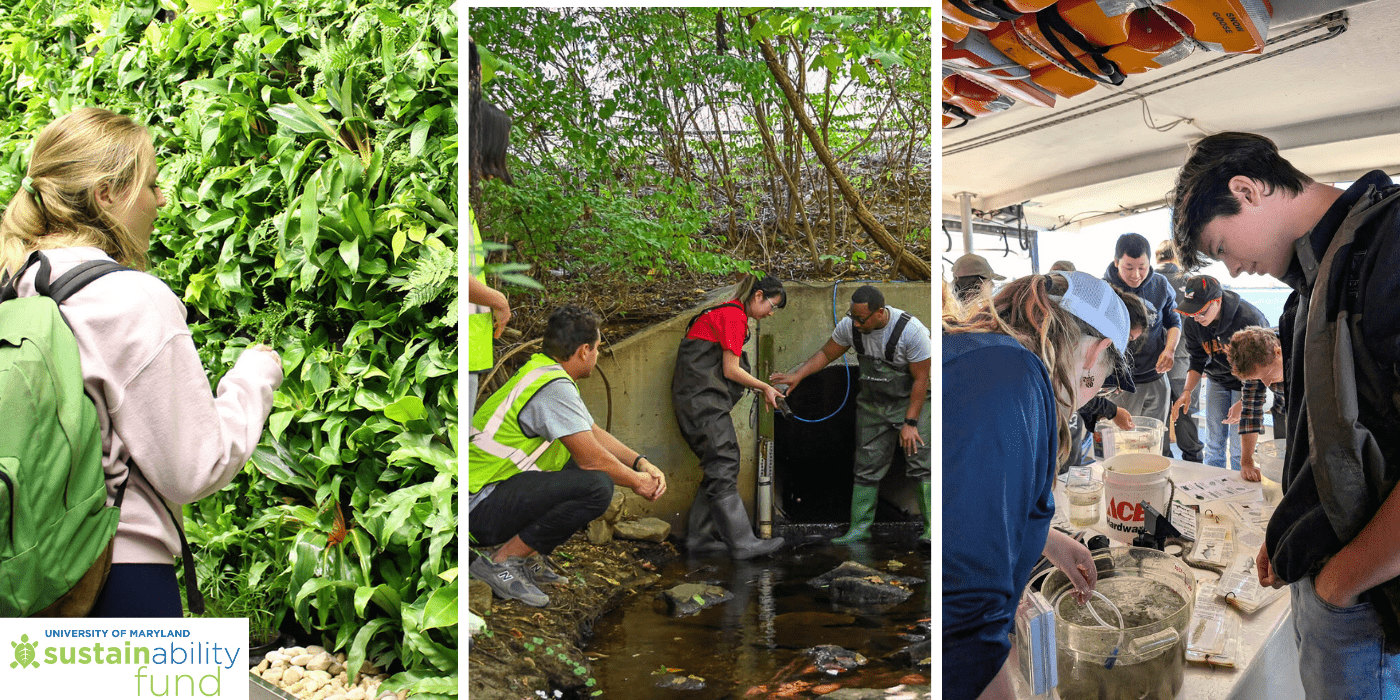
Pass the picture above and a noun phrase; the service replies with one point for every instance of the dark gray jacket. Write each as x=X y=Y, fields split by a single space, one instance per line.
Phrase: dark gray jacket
x=1342 y=310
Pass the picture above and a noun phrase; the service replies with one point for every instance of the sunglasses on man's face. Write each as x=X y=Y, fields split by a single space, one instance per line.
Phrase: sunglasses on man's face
x=860 y=320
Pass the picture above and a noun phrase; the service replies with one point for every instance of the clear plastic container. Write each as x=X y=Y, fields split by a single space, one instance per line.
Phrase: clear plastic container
x=1145 y=659
x=1145 y=437
x=1268 y=456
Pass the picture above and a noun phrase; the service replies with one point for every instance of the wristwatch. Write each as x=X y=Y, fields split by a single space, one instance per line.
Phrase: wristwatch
x=912 y=422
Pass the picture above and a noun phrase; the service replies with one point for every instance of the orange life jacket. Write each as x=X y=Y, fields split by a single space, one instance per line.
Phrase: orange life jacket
x=975 y=51
x=954 y=32
x=972 y=97
x=1152 y=43
x=1227 y=26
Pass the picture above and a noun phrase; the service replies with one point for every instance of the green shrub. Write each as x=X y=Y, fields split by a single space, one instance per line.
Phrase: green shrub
x=308 y=150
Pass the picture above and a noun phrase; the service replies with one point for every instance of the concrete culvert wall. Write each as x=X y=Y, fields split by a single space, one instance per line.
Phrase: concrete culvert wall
x=636 y=380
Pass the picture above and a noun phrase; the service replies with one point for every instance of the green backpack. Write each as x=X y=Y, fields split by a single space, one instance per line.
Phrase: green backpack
x=56 y=529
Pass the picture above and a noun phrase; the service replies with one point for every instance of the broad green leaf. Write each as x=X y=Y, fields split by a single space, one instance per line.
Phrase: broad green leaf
x=314 y=116
x=350 y=253
x=418 y=138
x=399 y=241
x=199 y=7
x=293 y=118
x=441 y=608
x=405 y=409
x=310 y=219
x=355 y=659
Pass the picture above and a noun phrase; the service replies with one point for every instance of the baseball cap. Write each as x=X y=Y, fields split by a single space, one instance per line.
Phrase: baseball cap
x=1094 y=302
x=970 y=264
x=1199 y=291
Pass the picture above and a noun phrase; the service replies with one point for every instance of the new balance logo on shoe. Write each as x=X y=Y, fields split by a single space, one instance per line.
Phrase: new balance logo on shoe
x=509 y=579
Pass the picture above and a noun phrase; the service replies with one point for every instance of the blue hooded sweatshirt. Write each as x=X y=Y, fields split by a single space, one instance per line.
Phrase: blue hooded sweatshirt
x=1159 y=296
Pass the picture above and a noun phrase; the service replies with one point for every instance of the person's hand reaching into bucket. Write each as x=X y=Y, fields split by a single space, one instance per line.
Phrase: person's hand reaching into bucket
x=1124 y=420
x=1074 y=559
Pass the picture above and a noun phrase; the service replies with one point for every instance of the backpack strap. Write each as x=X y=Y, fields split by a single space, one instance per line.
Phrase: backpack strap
x=79 y=277
x=9 y=284
x=193 y=598
x=1053 y=26
x=65 y=286
x=892 y=343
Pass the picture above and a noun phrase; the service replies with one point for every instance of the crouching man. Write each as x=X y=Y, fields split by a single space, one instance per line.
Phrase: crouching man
x=540 y=468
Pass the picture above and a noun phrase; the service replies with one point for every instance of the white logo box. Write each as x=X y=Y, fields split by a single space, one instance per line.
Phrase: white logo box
x=121 y=658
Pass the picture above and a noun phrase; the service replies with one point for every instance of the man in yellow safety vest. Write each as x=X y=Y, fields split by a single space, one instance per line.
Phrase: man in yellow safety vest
x=540 y=469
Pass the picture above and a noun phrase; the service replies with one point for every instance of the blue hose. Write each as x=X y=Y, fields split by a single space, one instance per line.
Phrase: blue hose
x=844 y=361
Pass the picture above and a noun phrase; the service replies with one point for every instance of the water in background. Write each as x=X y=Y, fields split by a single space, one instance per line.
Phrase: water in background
x=1269 y=300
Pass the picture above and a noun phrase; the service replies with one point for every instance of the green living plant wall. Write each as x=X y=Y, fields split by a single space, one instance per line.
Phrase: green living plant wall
x=308 y=151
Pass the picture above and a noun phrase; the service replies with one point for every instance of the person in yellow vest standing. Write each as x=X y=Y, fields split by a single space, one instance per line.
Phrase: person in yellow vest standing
x=489 y=311
x=540 y=469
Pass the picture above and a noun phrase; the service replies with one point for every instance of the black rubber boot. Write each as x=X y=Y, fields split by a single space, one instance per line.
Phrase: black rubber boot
x=733 y=519
x=701 y=534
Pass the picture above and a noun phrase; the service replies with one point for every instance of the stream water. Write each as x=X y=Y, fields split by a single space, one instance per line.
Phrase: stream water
x=760 y=636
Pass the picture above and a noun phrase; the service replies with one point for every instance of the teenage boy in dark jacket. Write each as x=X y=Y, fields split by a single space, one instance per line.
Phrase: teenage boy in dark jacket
x=1131 y=271
x=1212 y=316
x=1336 y=534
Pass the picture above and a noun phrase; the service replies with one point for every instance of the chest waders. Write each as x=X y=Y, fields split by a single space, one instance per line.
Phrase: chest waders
x=702 y=399
x=885 y=389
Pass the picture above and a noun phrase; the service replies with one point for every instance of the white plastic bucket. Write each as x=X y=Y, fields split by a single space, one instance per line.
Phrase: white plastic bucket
x=1130 y=479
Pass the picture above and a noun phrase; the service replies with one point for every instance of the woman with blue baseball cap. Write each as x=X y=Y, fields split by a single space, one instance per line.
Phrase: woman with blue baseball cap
x=1014 y=369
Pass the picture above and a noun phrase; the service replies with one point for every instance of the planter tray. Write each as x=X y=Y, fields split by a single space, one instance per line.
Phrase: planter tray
x=259 y=689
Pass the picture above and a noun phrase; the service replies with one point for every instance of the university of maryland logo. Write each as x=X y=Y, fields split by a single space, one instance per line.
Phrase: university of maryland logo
x=25 y=652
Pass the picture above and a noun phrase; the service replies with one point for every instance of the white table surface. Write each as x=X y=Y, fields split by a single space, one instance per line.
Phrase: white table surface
x=1267 y=663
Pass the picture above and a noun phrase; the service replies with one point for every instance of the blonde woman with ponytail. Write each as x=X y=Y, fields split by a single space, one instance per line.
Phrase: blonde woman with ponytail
x=1014 y=369
x=90 y=194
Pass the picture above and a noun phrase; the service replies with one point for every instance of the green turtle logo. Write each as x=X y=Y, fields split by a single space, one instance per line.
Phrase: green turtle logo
x=25 y=652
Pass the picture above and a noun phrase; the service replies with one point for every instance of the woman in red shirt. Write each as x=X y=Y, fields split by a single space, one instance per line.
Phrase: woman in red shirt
x=711 y=375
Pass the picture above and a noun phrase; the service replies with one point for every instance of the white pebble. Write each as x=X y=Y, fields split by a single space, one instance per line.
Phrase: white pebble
x=320 y=662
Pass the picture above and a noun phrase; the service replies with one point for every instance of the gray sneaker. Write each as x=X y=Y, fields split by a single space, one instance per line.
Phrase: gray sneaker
x=509 y=579
x=542 y=570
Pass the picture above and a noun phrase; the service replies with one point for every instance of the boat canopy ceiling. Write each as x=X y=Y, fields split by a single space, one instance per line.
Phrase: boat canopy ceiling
x=1330 y=98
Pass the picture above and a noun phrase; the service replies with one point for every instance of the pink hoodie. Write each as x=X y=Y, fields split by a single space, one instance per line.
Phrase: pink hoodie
x=154 y=408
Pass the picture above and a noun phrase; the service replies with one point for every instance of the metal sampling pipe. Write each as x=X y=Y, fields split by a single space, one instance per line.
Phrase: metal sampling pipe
x=763 y=491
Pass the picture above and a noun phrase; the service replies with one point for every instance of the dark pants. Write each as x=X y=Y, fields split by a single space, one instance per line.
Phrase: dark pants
x=1188 y=439
x=543 y=508
x=139 y=590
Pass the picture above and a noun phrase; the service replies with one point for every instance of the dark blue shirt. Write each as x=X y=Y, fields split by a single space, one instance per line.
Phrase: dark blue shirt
x=1159 y=296
x=999 y=443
